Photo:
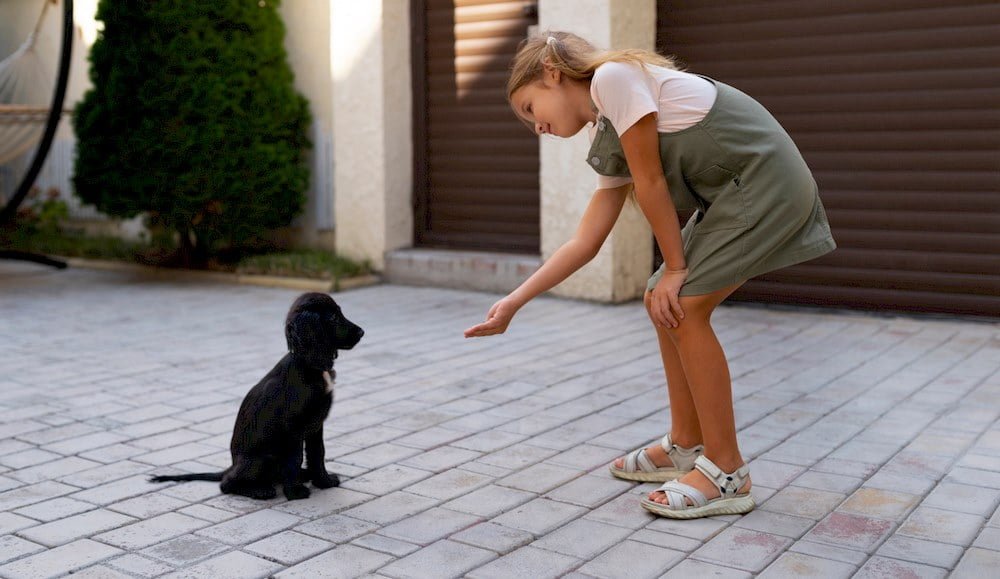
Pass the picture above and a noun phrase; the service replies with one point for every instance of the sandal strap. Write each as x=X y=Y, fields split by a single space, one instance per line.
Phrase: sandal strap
x=678 y=492
x=637 y=461
x=681 y=457
x=729 y=483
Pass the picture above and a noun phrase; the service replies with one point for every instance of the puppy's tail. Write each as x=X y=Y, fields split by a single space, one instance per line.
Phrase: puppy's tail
x=212 y=476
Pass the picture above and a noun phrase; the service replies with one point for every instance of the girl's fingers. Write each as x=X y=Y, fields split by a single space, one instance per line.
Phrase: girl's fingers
x=675 y=305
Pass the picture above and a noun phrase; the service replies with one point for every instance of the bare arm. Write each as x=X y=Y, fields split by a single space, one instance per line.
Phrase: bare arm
x=641 y=145
x=594 y=228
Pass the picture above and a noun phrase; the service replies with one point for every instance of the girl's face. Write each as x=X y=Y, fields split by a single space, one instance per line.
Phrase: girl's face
x=554 y=105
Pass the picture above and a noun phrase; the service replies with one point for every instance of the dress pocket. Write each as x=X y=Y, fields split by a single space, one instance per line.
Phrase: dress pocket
x=722 y=194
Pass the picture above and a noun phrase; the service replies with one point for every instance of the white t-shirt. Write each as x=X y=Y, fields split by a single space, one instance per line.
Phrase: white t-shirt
x=626 y=92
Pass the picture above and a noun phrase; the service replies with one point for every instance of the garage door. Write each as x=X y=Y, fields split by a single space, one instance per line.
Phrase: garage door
x=894 y=105
x=476 y=166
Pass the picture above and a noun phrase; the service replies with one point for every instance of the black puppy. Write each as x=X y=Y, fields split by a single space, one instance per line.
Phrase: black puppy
x=286 y=409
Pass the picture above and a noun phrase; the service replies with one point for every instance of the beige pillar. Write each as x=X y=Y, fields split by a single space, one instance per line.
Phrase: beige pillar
x=620 y=270
x=372 y=127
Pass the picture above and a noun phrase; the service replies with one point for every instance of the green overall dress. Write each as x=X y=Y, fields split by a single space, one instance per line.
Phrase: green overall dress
x=757 y=205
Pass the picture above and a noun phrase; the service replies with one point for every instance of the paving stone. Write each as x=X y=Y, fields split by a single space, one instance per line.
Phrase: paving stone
x=137 y=565
x=825 y=481
x=31 y=494
x=439 y=561
x=52 y=470
x=489 y=501
x=147 y=506
x=493 y=537
x=674 y=542
x=151 y=531
x=880 y=567
x=975 y=564
x=251 y=527
x=694 y=568
x=974 y=500
x=942 y=526
x=101 y=572
x=851 y=531
x=429 y=526
x=900 y=483
x=920 y=551
x=586 y=457
x=826 y=551
x=776 y=523
x=802 y=502
x=10 y=522
x=185 y=550
x=391 y=508
x=12 y=547
x=801 y=565
x=206 y=513
x=590 y=491
x=517 y=456
x=53 y=509
x=450 y=484
x=234 y=565
x=75 y=527
x=323 y=502
x=879 y=503
x=743 y=549
x=640 y=559
x=582 y=539
x=58 y=561
x=539 y=478
x=775 y=475
x=440 y=459
x=393 y=547
x=386 y=479
x=539 y=516
x=288 y=547
x=623 y=511
x=989 y=538
x=526 y=562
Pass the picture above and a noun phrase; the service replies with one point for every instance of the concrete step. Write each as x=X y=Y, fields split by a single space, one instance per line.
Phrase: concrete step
x=469 y=270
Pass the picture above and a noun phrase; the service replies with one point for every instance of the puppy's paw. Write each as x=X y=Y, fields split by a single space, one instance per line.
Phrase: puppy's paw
x=296 y=492
x=325 y=480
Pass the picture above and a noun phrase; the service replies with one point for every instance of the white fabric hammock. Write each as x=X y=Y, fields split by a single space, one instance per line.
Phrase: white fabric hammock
x=25 y=87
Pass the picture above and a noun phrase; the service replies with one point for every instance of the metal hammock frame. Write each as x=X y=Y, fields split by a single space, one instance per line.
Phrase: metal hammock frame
x=51 y=124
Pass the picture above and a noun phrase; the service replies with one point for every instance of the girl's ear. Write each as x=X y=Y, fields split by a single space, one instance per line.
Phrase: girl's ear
x=550 y=73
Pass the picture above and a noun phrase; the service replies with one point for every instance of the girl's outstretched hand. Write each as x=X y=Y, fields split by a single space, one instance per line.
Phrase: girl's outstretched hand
x=497 y=320
x=666 y=305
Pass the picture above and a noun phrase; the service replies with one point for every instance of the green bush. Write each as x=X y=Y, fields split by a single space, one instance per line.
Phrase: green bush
x=193 y=119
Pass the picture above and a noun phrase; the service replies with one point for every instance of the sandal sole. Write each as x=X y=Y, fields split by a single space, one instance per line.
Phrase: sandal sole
x=667 y=474
x=735 y=506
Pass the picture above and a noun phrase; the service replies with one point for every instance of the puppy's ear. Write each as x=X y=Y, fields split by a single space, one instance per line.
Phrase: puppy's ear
x=307 y=339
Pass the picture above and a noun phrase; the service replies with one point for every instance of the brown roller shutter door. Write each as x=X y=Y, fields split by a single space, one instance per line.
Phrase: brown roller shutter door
x=476 y=166
x=894 y=105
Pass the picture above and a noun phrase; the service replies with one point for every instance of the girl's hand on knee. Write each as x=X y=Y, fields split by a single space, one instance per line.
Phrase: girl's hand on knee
x=666 y=305
x=497 y=320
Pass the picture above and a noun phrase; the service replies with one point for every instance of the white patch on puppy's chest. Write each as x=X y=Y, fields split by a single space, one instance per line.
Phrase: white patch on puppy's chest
x=329 y=381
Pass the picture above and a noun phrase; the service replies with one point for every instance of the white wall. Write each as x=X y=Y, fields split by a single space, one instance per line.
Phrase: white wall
x=620 y=270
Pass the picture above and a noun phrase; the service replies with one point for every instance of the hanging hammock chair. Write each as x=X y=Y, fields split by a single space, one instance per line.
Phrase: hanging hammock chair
x=24 y=118
x=25 y=86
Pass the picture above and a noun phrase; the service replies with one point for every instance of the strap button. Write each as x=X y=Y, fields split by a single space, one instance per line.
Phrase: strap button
x=595 y=161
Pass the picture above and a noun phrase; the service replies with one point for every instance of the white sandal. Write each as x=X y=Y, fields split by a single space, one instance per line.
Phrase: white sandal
x=730 y=503
x=638 y=466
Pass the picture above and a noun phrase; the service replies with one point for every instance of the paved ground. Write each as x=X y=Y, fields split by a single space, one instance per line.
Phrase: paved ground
x=875 y=441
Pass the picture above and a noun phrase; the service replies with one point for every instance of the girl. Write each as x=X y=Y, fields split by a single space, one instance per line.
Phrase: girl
x=679 y=141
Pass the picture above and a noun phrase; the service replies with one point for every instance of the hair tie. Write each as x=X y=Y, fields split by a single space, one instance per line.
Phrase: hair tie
x=550 y=40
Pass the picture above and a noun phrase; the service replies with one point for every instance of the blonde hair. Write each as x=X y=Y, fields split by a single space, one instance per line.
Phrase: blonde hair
x=572 y=56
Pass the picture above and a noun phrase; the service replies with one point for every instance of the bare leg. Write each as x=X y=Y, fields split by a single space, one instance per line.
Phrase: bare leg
x=685 y=430
x=710 y=386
